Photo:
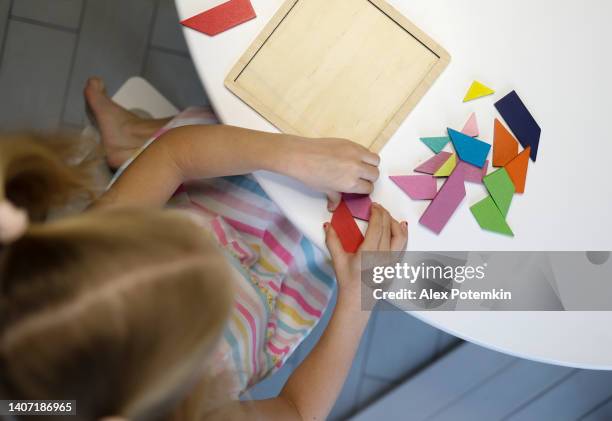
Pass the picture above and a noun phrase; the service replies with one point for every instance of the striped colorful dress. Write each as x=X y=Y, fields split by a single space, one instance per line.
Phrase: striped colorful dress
x=284 y=283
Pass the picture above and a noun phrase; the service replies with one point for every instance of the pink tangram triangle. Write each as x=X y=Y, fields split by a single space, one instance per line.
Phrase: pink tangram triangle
x=360 y=205
x=472 y=173
x=418 y=187
x=221 y=18
x=448 y=199
x=432 y=165
x=471 y=127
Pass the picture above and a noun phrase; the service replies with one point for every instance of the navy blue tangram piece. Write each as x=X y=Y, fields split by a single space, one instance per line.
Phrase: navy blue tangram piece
x=520 y=121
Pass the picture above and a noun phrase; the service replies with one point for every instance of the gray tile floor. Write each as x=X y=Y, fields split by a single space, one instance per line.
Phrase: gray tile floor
x=48 y=48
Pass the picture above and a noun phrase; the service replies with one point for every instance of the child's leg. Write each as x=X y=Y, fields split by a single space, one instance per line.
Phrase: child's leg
x=123 y=133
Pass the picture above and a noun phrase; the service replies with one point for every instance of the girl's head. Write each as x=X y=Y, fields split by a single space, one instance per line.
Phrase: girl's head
x=117 y=309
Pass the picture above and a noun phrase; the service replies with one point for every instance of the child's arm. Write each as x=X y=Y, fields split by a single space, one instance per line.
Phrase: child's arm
x=313 y=388
x=192 y=152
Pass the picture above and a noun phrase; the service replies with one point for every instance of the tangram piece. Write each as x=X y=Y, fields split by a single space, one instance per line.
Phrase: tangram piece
x=418 y=187
x=477 y=90
x=471 y=127
x=490 y=218
x=505 y=146
x=447 y=168
x=446 y=202
x=360 y=205
x=432 y=165
x=221 y=18
x=500 y=186
x=436 y=144
x=346 y=228
x=517 y=170
x=471 y=173
x=470 y=150
x=520 y=121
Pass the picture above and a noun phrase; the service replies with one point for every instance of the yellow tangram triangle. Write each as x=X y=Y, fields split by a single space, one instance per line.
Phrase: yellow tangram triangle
x=477 y=90
x=447 y=168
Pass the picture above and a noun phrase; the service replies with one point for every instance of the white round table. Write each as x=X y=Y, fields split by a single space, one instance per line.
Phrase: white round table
x=556 y=55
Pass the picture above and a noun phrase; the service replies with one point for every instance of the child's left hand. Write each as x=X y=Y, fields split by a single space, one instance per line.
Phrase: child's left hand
x=333 y=166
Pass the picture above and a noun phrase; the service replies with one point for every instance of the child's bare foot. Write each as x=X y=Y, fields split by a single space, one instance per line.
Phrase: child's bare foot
x=120 y=130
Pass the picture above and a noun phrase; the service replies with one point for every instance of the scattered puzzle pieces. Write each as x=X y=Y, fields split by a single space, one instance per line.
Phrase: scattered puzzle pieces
x=477 y=90
x=471 y=173
x=432 y=165
x=505 y=146
x=221 y=18
x=520 y=121
x=517 y=170
x=418 y=187
x=436 y=144
x=345 y=226
x=360 y=205
x=447 y=168
x=470 y=150
x=490 y=218
x=446 y=202
x=500 y=186
x=471 y=127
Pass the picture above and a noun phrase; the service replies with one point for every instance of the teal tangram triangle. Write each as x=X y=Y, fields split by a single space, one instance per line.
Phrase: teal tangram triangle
x=436 y=144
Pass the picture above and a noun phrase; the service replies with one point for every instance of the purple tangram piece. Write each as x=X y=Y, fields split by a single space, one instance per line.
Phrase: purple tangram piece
x=471 y=173
x=432 y=165
x=520 y=121
x=418 y=187
x=360 y=205
x=448 y=199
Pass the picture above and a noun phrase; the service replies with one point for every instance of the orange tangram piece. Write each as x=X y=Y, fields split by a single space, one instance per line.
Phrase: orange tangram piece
x=346 y=228
x=517 y=170
x=505 y=146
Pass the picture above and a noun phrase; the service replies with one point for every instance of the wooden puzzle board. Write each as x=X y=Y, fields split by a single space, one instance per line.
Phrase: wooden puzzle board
x=343 y=68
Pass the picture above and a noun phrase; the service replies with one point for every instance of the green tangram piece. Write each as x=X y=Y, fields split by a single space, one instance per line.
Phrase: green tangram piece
x=436 y=144
x=490 y=218
x=501 y=188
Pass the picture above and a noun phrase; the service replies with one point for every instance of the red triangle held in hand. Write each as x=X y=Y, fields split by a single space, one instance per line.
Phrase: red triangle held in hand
x=346 y=228
x=221 y=18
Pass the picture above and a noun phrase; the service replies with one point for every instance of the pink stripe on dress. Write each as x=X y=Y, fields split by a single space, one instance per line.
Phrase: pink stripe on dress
x=300 y=300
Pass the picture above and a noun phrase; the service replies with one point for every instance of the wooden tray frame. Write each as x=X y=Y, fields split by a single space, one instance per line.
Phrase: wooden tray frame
x=402 y=113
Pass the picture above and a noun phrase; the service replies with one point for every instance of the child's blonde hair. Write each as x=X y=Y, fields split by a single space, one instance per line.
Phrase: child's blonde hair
x=117 y=309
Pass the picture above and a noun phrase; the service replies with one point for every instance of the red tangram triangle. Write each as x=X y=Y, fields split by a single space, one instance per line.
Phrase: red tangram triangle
x=346 y=228
x=221 y=18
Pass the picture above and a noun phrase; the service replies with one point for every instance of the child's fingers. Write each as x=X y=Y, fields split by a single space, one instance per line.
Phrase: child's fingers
x=333 y=243
x=372 y=236
x=362 y=187
x=369 y=172
x=385 y=237
x=399 y=235
x=370 y=158
x=333 y=200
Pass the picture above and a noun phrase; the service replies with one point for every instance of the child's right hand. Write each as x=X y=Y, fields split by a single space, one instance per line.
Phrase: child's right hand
x=333 y=166
x=384 y=234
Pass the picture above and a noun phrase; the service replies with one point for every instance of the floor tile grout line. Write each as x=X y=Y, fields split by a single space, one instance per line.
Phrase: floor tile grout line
x=73 y=63
x=596 y=408
x=170 y=51
x=538 y=395
x=43 y=24
x=472 y=389
x=6 y=29
x=362 y=369
x=145 y=59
